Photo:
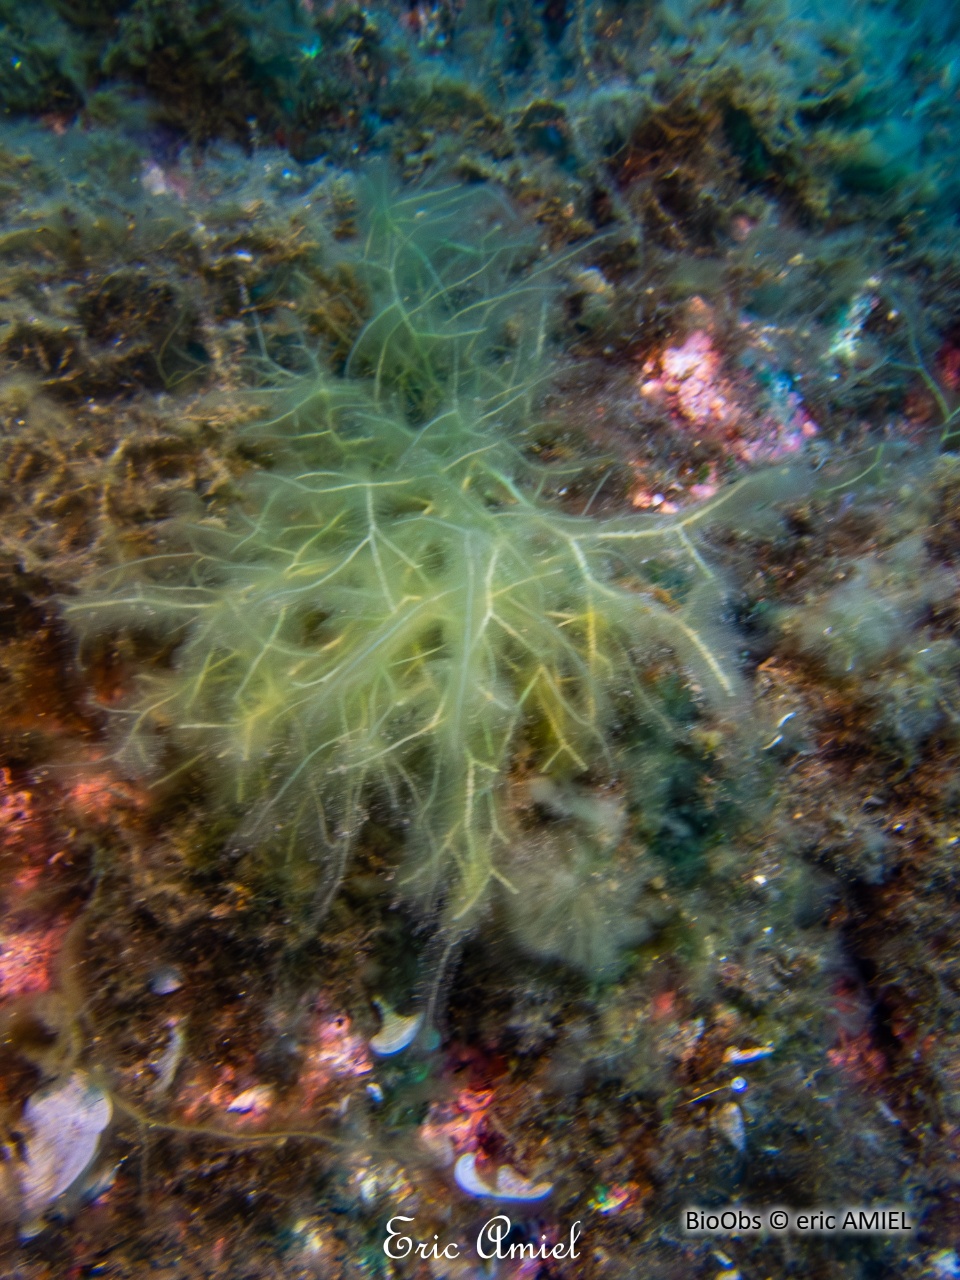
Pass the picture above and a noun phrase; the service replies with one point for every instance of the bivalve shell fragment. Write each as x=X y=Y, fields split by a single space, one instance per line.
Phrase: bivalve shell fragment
x=396 y=1031
x=166 y=980
x=507 y=1183
x=65 y=1123
x=729 y=1122
x=254 y=1101
x=739 y=1056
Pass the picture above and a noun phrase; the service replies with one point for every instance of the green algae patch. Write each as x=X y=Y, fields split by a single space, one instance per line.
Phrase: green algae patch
x=396 y=615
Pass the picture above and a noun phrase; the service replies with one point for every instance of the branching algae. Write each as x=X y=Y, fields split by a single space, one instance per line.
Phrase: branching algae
x=397 y=612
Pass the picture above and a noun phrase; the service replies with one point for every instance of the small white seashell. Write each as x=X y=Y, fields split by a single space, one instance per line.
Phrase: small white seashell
x=729 y=1121
x=168 y=1064
x=166 y=980
x=65 y=1124
x=737 y=1056
x=396 y=1032
x=507 y=1185
x=254 y=1100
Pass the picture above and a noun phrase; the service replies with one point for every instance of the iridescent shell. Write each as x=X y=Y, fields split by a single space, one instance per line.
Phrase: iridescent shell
x=166 y=980
x=507 y=1184
x=729 y=1122
x=65 y=1123
x=253 y=1101
x=738 y=1056
x=396 y=1031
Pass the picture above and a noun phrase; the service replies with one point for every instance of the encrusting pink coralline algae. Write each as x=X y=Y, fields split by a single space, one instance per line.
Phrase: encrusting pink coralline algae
x=691 y=382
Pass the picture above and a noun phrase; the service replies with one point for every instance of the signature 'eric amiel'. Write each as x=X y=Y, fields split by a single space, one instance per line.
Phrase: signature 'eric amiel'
x=491 y=1242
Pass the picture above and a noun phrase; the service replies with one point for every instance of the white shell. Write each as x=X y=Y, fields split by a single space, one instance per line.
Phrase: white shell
x=168 y=1064
x=396 y=1032
x=166 y=980
x=257 y=1100
x=65 y=1124
x=729 y=1121
x=507 y=1185
x=737 y=1056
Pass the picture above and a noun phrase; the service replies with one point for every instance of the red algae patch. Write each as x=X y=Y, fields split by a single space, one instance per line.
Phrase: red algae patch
x=30 y=939
x=27 y=958
x=36 y=857
x=96 y=797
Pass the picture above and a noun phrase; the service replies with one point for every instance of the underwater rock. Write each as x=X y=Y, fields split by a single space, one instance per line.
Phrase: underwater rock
x=543 y=127
x=333 y=1052
x=869 y=619
x=588 y=909
x=507 y=1183
x=65 y=1124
